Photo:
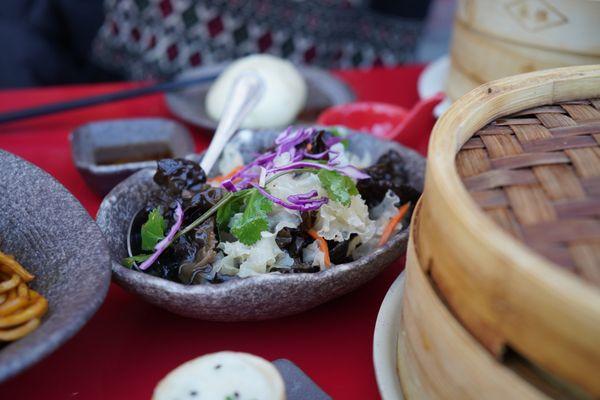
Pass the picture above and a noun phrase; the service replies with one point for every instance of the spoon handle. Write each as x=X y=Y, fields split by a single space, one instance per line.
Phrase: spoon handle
x=247 y=90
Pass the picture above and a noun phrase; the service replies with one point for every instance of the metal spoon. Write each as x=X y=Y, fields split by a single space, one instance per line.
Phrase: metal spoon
x=243 y=97
x=246 y=92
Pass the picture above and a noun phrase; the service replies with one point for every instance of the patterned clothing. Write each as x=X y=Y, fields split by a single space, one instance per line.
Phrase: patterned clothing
x=159 y=38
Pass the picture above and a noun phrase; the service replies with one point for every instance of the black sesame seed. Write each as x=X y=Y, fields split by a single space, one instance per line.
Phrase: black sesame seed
x=193 y=393
x=217 y=366
x=236 y=394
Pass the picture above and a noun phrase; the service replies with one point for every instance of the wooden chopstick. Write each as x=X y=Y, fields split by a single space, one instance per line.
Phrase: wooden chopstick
x=53 y=108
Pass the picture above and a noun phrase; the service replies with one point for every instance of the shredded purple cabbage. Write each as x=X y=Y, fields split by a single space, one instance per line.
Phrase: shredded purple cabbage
x=334 y=140
x=302 y=196
x=349 y=170
x=352 y=172
x=318 y=156
x=163 y=244
x=228 y=184
x=288 y=145
x=302 y=205
x=288 y=139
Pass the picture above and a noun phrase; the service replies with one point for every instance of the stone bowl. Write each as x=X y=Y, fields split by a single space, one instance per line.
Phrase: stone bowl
x=46 y=229
x=99 y=148
x=255 y=298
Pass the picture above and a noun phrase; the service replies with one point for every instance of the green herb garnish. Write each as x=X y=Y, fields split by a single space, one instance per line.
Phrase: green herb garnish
x=339 y=187
x=337 y=133
x=253 y=205
x=153 y=231
x=248 y=228
x=231 y=207
x=224 y=200
x=130 y=261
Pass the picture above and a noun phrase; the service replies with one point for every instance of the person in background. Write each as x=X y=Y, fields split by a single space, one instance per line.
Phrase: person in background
x=49 y=42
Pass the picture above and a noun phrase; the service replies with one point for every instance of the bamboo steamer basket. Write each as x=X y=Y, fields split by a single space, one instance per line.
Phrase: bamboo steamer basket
x=437 y=357
x=480 y=58
x=459 y=82
x=510 y=297
x=569 y=26
x=498 y=38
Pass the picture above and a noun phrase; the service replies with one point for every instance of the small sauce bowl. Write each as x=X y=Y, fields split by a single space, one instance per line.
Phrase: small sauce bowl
x=411 y=127
x=378 y=119
x=106 y=152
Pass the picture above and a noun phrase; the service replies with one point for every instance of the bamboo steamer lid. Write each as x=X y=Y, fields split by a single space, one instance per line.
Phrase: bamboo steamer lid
x=498 y=259
x=437 y=357
x=561 y=25
x=493 y=39
x=477 y=58
x=458 y=82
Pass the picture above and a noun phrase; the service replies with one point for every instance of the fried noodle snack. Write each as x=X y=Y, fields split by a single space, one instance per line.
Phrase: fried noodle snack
x=21 y=308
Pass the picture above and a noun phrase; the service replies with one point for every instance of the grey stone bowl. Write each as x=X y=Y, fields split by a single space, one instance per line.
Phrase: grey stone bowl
x=255 y=298
x=53 y=236
x=97 y=146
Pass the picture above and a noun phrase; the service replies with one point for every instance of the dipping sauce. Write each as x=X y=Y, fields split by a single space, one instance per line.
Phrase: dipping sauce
x=127 y=154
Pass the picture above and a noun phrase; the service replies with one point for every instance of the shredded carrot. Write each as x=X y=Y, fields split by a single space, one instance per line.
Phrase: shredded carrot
x=322 y=246
x=221 y=178
x=395 y=220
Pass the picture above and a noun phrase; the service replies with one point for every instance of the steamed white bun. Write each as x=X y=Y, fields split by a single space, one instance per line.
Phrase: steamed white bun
x=283 y=99
x=220 y=376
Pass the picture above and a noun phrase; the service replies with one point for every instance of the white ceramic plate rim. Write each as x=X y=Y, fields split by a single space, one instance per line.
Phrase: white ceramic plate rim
x=385 y=342
x=433 y=80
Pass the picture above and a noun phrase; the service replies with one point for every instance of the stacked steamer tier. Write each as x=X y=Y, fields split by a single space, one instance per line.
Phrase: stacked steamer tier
x=493 y=39
x=502 y=296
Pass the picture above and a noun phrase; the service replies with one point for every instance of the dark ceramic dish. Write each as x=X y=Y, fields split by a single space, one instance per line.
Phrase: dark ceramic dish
x=255 y=298
x=106 y=152
x=51 y=234
x=324 y=90
x=298 y=385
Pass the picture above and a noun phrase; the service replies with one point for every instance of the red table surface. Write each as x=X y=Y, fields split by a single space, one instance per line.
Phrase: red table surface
x=129 y=345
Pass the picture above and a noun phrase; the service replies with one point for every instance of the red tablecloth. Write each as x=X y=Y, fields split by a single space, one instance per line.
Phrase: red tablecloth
x=129 y=345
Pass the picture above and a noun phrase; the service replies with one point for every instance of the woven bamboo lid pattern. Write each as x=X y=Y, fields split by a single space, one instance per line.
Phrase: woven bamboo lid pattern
x=536 y=173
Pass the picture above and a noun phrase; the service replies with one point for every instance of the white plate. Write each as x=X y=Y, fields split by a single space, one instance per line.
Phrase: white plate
x=385 y=342
x=433 y=80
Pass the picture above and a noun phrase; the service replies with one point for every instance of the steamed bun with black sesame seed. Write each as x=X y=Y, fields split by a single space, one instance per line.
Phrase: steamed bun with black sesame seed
x=222 y=376
x=284 y=96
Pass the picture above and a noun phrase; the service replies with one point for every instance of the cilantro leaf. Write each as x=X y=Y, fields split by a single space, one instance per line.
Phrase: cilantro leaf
x=140 y=258
x=339 y=187
x=254 y=218
x=153 y=231
x=248 y=230
x=233 y=206
x=337 y=133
